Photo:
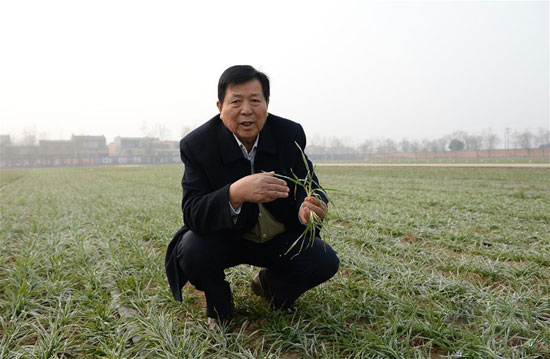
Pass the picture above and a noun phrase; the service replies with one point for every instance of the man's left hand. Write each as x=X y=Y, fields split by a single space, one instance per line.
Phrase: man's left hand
x=312 y=204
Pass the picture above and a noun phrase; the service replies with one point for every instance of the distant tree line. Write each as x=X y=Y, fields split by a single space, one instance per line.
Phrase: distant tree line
x=456 y=141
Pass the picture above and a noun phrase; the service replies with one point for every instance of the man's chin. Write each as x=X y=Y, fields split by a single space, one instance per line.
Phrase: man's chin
x=247 y=137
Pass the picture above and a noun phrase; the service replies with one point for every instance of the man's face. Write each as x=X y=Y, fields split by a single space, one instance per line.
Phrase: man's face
x=244 y=111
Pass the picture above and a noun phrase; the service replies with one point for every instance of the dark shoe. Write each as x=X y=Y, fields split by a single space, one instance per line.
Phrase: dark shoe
x=261 y=291
x=221 y=323
x=258 y=289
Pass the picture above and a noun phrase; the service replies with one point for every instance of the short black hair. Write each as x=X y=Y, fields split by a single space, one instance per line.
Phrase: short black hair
x=239 y=74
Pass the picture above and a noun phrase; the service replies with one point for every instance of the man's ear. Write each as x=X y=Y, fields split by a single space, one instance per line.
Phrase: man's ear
x=219 y=105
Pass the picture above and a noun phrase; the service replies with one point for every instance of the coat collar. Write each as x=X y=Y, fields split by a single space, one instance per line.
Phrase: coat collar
x=230 y=150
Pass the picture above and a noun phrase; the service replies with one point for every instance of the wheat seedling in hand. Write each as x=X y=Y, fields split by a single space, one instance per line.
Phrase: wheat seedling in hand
x=312 y=190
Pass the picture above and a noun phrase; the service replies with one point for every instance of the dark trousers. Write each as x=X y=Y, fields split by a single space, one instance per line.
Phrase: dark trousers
x=203 y=259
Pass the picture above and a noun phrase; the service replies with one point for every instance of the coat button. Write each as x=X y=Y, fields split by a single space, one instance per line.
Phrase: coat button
x=264 y=236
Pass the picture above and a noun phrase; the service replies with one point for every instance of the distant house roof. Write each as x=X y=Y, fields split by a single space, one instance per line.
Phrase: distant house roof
x=74 y=137
x=54 y=142
x=5 y=140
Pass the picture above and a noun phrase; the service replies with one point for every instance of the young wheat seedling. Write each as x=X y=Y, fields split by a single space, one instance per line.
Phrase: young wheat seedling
x=313 y=190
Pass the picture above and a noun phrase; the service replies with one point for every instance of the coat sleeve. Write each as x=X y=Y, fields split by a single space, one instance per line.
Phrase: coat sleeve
x=205 y=209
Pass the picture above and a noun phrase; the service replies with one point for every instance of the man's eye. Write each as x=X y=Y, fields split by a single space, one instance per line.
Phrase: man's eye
x=236 y=102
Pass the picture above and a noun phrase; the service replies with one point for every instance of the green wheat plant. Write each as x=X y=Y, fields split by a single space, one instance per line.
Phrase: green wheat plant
x=435 y=262
x=314 y=190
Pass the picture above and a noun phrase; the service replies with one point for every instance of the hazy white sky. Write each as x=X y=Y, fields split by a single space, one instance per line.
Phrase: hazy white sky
x=353 y=69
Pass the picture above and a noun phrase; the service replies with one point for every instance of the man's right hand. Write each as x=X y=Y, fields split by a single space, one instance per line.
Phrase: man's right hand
x=257 y=188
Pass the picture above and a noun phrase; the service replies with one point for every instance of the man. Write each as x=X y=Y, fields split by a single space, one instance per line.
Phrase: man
x=236 y=211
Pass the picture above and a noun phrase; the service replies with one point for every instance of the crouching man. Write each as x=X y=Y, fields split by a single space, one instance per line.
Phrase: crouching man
x=237 y=212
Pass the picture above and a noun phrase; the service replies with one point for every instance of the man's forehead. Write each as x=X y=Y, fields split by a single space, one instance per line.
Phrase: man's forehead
x=241 y=93
x=253 y=87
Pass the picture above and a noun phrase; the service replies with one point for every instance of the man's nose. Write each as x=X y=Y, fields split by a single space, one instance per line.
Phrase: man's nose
x=246 y=109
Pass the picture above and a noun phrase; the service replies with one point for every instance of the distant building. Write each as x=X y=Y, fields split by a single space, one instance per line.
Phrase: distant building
x=166 y=148
x=77 y=146
x=17 y=152
x=11 y=152
x=90 y=146
x=5 y=140
x=57 y=149
x=88 y=151
x=132 y=146
x=143 y=146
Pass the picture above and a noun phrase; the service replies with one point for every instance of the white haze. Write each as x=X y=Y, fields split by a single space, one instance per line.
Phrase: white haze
x=350 y=69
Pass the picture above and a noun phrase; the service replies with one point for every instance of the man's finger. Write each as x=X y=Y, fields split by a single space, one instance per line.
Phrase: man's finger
x=317 y=202
x=272 y=179
x=273 y=193
x=272 y=196
x=305 y=214
x=278 y=194
x=319 y=210
x=314 y=201
x=278 y=188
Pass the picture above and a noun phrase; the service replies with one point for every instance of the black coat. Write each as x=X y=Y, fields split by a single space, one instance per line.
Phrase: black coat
x=213 y=161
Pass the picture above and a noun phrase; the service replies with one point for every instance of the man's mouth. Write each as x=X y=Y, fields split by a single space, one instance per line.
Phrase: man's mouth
x=247 y=123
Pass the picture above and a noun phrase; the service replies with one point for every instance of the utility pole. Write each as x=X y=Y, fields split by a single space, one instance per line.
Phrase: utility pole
x=507 y=138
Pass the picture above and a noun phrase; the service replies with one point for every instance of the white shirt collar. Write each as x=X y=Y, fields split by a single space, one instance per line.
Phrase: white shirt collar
x=246 y=153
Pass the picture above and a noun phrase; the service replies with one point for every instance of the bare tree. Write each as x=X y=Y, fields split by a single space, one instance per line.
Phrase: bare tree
x=184 y=131
x=146 y=130
x=162 y=131
x=415 y=146
x=28 y=136
x=315 y=149
x=542 y=136
x=429 y=145
x=158 y=130
x=424 y=145
x=317 y=140
x=338 y=146
x=473 y=142
x=490 y=139
x=459 y=135
x=405 y=145
x=367 y=146
x=523 y=139
x=436 y=145
x=442 y=142
x=386 y=145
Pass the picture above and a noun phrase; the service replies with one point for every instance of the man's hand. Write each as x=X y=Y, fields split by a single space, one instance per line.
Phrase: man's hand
x=257 y=188
x=312 y=204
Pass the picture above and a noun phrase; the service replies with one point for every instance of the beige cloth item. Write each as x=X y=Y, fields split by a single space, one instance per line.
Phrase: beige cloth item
x=266 y=228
